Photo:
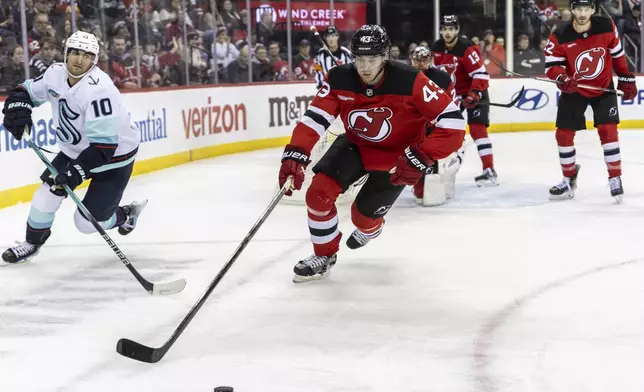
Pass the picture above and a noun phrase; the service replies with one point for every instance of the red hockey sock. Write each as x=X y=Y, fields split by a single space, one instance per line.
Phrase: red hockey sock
x=483 y=144
x=567 y=153
x=367 y=225
x=610 y=144
x=323 y=216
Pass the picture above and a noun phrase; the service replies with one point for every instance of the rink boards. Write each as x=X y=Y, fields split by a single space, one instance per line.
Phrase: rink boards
x=185 y=124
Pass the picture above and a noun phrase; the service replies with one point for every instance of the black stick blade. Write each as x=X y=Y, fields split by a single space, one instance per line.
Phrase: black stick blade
x=137 y=351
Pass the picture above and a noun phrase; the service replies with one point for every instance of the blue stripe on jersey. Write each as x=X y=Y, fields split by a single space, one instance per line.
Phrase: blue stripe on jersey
x=27 y=85
x=111 y=166
x=104 y=140
x=103 y=128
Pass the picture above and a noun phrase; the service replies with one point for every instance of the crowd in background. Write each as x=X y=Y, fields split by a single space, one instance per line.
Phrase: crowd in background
x=197 y=46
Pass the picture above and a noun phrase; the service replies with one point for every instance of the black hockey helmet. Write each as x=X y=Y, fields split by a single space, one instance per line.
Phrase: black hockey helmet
x=576 y=3
x=450 y=20
x=332 y=30
x=370 y=40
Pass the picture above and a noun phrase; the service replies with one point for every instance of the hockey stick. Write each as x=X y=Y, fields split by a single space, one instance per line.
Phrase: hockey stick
x=507 y=105
x=617 y=92
x=321 y=41
x=152 y=288
x=139 y=352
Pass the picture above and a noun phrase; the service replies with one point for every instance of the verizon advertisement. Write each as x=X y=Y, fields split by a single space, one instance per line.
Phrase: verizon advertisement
x=346 y=16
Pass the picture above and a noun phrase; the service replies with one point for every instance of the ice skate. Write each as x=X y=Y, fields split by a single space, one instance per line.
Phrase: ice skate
x=616 y=189
x=133 y=210
x=20 y=253
x=313 y=268
x=487 y=178
x=359 y=239
x=566 y=188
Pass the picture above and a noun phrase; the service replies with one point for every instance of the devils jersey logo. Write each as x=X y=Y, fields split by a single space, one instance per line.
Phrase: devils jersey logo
x=590 y=63
x=371 y=124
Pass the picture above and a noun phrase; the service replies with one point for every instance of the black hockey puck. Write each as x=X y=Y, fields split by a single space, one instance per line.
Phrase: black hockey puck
x=224 y=389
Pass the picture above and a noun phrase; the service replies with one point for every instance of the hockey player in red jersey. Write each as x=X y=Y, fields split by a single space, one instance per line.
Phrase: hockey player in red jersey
x=438 y=185
x=472 y=82
x=384 y=106
x=586 y=51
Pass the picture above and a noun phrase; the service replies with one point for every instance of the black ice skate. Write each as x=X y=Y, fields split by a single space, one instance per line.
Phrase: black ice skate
x=487 y=178
x=566 y=188
x=359 y=239
x=616 y=189
x=20 y=253
x=133 y=210
x=313 y=268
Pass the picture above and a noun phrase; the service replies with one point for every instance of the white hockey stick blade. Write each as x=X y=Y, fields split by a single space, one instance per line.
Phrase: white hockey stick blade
x=169 y=288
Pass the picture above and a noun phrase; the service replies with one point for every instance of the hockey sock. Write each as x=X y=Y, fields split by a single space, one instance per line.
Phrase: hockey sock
x=371 y=227
x=567 y=153
x=323 y=216
x=483 y=144
x=610 y=144
x=43 y=209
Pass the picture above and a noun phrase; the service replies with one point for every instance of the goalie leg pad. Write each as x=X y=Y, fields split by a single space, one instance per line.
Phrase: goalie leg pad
x=322 y=214
x=434 y=192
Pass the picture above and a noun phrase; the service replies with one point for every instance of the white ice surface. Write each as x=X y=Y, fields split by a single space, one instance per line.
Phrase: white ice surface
x=501 y=290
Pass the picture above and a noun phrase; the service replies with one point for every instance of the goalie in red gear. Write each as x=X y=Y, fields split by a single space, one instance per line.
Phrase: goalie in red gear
x=472 y=82
x=438 y=185
x=384 y=106
x=585 y=51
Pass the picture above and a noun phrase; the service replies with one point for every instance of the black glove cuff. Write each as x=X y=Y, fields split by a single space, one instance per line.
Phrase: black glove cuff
x=626 y=78
x=295 y=154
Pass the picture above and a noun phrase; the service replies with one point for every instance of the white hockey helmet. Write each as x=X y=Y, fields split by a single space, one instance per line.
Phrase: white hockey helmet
x=87 y=42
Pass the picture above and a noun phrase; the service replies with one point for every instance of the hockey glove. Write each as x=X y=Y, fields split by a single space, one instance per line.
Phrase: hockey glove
x=410 y=167
x=73 y=175
x=626 y=83
x=472 y=99
x=294 y=162
x=17 y=112
x=567 y=84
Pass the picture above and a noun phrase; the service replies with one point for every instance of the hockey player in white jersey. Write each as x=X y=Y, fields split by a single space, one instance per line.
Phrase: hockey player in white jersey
x=97 y=141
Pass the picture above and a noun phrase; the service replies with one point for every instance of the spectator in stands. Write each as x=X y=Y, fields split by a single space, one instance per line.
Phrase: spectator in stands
x=265 y=71
x=197 y=60
x=41 y=29
x=394 y=54
x=614 y=8
x=46 y=57
x=265 y=28
x=232 y=20
x=12 y=70
x=237 y=71
x=424 y=44
x=303 y=62
x=632 y=27
x=493 y=51
x=224 y=51
x=528 y=60
x=171 y=64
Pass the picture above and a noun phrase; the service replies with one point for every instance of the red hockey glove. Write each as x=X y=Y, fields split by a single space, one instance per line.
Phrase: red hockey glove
x=626 y=83
x=472 y=99
x=294 y=162
x=410 y=167
x=567 y=84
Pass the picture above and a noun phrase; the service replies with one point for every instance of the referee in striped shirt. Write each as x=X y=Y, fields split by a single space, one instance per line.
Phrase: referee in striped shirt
x=324 y=62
